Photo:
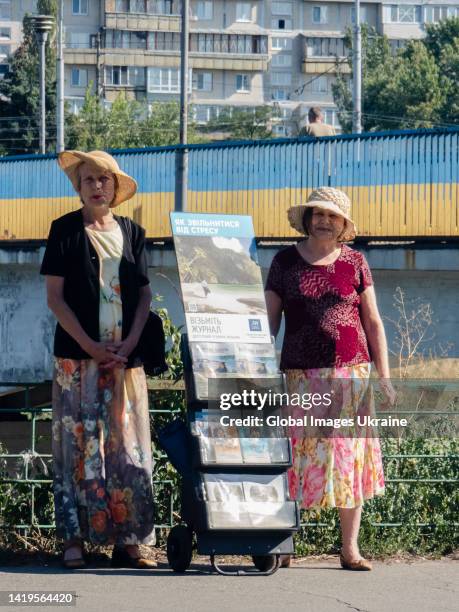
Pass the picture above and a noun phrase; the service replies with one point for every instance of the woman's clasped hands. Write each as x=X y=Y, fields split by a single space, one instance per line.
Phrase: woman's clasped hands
x=111 y=354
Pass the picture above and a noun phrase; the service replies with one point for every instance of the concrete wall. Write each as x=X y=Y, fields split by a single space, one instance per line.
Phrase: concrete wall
x=26 y=326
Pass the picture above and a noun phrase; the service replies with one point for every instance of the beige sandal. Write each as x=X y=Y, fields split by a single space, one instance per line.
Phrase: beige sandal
x=361 y=565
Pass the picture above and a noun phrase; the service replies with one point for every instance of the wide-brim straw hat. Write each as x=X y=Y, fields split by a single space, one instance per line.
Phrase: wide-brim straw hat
x=70 y=161
x=330 y=199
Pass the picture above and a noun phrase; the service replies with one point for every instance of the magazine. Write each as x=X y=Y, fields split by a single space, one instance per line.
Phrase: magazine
x=265 y=488
x=227 y=450
x=255 y=450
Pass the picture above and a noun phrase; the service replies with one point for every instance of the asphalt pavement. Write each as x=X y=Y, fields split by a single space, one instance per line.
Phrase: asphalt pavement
x=317 y=585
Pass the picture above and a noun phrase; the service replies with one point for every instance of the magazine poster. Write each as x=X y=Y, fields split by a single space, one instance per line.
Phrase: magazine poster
x=220 y=278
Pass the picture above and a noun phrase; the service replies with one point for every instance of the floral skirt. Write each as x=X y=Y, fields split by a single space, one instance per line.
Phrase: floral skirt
x=336 y=471
x=101 y=454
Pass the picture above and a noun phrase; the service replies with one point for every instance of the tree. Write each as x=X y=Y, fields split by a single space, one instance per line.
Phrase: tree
x=251 y=124
x=406 y=89
x=442 y=41
x=20 y=91
x=126 y=124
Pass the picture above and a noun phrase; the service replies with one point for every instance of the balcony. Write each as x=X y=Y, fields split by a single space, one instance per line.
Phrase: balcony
x=143 y=48
x=322 y=54
x=153 y=15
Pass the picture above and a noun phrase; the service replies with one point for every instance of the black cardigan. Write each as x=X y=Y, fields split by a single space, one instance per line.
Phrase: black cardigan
x=70 y=254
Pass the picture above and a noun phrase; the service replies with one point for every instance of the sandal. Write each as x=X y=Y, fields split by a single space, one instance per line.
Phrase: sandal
x=121 y=558
x=76 y=562
x=361 y=565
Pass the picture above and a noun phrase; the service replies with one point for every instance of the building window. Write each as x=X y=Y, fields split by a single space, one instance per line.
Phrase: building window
x=75 y=104
x=5 y=33
x=136 y=76
x=5 y=9
x=331 y=117
x=281 y=8
x=320 y=84
x=242 y=83
x=137 y=6
x=280 y=60
x=131 y=76
x=281 y=24
x=319 y=14
x=243 y=11
x=281 y=44
x=116 y=75
x=122 y=6
x=363 y=14
x=325 y=47
x=228 y=43
x=434 y=14
x=163 y=80
x=5 y=50
x=204 y=113
x=124 y=39
x=164 y=41
x=161 y=7
x=203 y=11
x=79 y=7
x=79 y=77
x=202 y=81
x=279 y=94
x=79 y=40
x=281 y=78
x=402 y=13
x=4 y=68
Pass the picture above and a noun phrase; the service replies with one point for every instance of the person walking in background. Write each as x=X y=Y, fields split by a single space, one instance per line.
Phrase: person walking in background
x=316 y=126
x=332 y=326
x=98 y=289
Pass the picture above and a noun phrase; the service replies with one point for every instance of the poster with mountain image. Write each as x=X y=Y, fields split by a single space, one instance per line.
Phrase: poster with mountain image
x=220 y=278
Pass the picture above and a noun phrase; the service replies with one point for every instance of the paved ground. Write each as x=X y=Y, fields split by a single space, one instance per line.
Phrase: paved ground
x=312 y=585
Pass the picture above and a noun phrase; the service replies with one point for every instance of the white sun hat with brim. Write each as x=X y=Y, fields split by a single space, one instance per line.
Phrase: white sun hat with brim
x=327 y=198
x=70 y=161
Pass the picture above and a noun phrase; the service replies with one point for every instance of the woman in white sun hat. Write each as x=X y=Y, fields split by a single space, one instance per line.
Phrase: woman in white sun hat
x=98 y=289
x=333 y=331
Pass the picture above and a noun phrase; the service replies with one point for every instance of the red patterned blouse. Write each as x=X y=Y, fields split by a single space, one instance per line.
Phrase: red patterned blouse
x=321 y=305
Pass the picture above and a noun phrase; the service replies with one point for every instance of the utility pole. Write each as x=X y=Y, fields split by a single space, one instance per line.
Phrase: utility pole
x=357 y=70
x=60 y=142
x=42 y=25
x=181 y=158
x=99 y=92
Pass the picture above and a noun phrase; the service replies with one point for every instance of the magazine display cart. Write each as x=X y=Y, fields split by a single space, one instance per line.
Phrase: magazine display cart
x=235 y=498
x=234 y=492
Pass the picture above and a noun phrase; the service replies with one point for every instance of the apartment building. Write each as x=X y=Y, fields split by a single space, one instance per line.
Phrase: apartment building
x=242 y=54
x=11 y=15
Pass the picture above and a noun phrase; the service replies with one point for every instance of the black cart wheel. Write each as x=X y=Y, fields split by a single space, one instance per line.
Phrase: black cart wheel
x=180 y=548
x=264 y=563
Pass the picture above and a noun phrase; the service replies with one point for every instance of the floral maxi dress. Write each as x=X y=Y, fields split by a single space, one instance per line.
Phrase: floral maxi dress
x=101 y=433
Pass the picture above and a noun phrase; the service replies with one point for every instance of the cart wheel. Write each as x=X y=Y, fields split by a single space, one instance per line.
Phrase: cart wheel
x=264 y=563
x=180 y=548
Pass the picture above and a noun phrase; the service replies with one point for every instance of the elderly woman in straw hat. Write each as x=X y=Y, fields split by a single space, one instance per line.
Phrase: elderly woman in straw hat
x=98 y=289
x=332 y=327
